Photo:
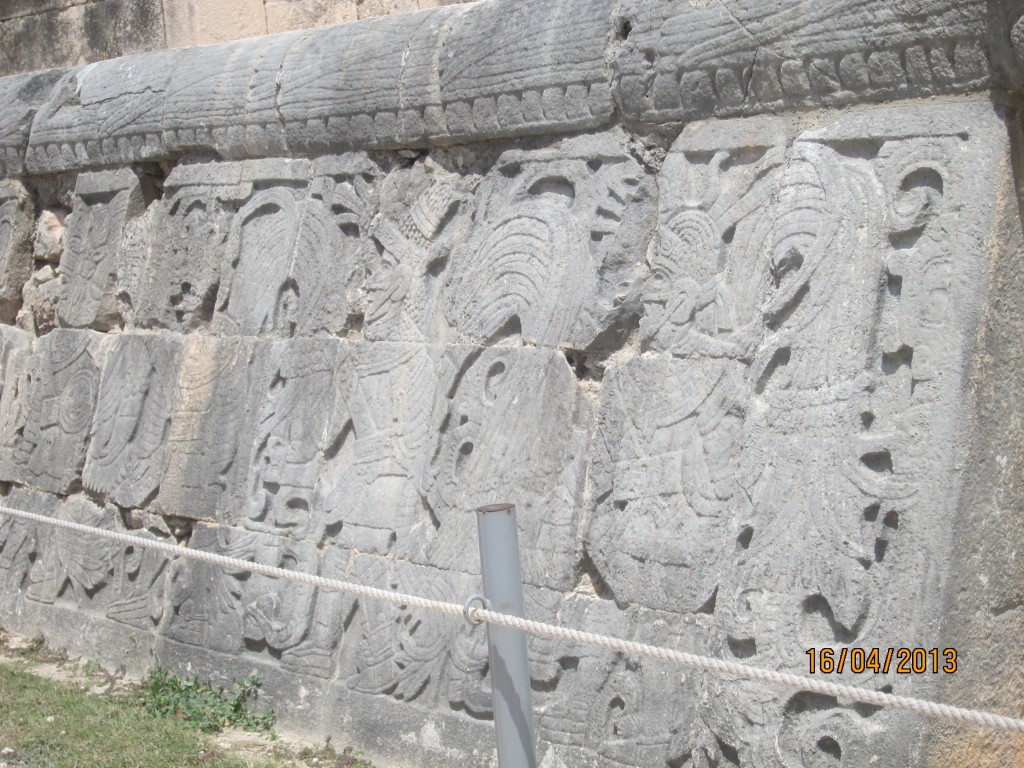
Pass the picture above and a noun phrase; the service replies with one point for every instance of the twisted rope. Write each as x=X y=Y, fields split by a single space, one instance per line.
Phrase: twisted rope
x=541 y=629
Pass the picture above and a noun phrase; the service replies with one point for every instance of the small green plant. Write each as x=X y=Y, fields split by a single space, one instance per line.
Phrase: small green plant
x=211 y=710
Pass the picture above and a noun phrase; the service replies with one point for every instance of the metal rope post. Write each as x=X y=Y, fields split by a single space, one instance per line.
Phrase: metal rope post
x=510 y=671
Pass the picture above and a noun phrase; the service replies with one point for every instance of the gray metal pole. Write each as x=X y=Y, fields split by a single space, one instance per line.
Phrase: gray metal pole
x=510 y=671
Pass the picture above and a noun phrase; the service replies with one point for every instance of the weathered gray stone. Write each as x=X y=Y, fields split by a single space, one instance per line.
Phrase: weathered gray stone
x=549 y=251
x=15 y=248
x=486 y=445
x=236 y=612
x=128 y=441
x=207 y=421
x=298 y=405
x=743 y=376
x=104 y=202
x=50 y=401
x=20 y=96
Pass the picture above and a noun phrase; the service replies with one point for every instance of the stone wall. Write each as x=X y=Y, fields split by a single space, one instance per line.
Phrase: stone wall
x=39 y=34
x=724 y=297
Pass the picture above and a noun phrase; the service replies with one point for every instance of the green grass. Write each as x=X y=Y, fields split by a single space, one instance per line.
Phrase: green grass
x=209 y=710
x=161 y=724
x=55 y=725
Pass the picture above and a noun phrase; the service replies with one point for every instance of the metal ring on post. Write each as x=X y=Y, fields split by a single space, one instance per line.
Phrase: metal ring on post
x=469 y=603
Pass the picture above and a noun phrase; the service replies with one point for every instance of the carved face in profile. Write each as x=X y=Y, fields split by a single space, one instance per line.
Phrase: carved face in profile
x=690 y=249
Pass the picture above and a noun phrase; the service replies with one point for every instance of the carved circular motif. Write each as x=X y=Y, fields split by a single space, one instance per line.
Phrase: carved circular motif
x=76 y=401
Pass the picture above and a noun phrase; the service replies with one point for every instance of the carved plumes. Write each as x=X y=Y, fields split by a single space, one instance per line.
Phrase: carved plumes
x=132 y=420
x=262 y=241
x=531 y=266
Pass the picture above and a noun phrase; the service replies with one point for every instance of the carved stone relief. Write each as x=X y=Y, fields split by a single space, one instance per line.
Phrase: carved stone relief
x=511 y=424
x=74 y=568
x=52 y=401
x=300 y=411
x=238 y=612
x=423 y=212
x=726 y=383
x=293 y=249
x=16 y=215
x=104 y=202
x=549 y=250
x=209 y=424
x=132 y=423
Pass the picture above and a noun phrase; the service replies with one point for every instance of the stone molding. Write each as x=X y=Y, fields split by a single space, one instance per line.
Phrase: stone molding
x=435 y=77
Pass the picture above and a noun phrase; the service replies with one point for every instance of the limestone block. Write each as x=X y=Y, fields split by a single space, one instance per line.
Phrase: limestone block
x=552 y=249
x=292 y=250
x=208 y=419
x=129 y=438
x=48 y=423
x=334 y=95
x=20 y=95
x=15 y=247
x=687 y=60
x=419 y=656
x=508 y=424
x=626 y=711
x=191 y=22
x=663 y=466
x=106 y=113
x=73 y=569
x=288 y=15
x=169 y=273
x=370 y=483
x=553 y=53
x=104 y=202
x=39 y=36
x=20 y=543
x=298 y=420
x=241 y=613
x=424 y=213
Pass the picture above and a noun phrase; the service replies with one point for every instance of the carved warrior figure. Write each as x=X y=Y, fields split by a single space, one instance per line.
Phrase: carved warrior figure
x=15 y=247
x=302 y=414
x=236 y=611
x=46 y=427
x=778 y=438
x=104 y=202
x=666 y=464
x=129 y=442
x=550 y=246
x=71 y=561
x=294 y=250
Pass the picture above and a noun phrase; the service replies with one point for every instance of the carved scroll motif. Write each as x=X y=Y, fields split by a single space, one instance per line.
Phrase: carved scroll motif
x=414 y=655
x=546 y=255
x=488 y=448
x=71 y=566
x=294 y=248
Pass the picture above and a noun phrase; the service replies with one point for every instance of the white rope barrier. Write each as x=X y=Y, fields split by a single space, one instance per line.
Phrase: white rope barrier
x=541 y=629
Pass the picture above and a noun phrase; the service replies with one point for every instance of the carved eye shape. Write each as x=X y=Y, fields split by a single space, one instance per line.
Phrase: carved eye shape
x=492 y=384
x=558 y=188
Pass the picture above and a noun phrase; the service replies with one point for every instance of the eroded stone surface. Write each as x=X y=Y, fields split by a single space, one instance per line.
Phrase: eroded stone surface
x=724 y=369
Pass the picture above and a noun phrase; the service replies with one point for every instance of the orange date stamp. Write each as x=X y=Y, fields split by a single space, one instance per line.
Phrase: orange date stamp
x=903 y=661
